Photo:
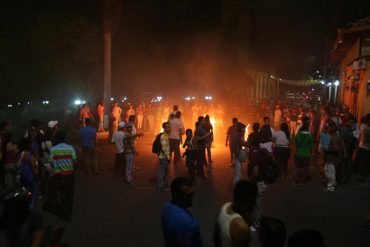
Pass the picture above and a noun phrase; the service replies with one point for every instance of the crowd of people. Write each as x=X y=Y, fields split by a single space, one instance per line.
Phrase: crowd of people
x=327 y=136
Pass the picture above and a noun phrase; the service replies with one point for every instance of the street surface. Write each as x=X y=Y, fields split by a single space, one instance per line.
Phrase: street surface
x=108 y=212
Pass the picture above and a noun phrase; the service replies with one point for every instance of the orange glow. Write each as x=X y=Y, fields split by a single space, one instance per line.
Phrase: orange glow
x=246 y=132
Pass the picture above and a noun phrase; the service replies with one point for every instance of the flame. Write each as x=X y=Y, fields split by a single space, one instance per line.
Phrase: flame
x=246 y=132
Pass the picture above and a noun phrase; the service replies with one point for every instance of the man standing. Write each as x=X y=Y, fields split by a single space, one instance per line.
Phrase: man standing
x=116 y=118
x=233 y=223
x=164 y=157
x=85 y=113
x=231 y=132
x=180 y=228
x=363 y=152
x=61 y=185
x=101 y=116
x=88 y=146
x=117 y=139
x=277 y=117
x=175 y=137
x=129 y=150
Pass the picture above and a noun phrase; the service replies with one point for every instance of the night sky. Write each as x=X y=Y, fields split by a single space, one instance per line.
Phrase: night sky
x=57 y=47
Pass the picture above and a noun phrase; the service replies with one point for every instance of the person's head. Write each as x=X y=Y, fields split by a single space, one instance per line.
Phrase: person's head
x=306 y=238
x=132 y=119
x=266 y=121
x=235 y=121
x=175 y=107
x=305 y=119
x=128 y=127
x=87 y=121
x=305 y=127
x=182 y=192
x=189 y=133
x=244 y=196
x=255 y=127
x=277 y=107
x=60 y=137
x=121 y=125
x=207 y=119
x=166 y=127
x=4 y=126
x=201 y=120
x=178 y=114
x=35 y=123
x=272 y=232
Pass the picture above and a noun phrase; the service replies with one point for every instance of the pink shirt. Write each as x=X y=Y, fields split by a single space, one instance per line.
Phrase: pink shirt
x=177 y=128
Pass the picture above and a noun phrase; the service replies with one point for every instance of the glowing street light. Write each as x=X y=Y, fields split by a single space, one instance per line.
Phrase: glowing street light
x=45 y=102
x=336 y=83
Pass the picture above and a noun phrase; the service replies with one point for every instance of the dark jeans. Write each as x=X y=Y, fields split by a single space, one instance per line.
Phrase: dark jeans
x=302 y=165
x=60 y=194
x=175 y=147
x=282 y=155
x=190 y=164
x=201 y=161
x=119 y=164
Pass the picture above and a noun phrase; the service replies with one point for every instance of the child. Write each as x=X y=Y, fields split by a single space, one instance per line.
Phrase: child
x=190 y=153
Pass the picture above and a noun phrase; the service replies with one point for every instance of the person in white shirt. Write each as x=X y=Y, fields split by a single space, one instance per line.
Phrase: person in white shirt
x=281 y=139
x=234 y=225
x=117 y=139
x=175 y=137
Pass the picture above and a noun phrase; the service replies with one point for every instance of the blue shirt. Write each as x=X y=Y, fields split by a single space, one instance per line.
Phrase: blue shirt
x=180 y=228
x=88 y=136
x=325 y=140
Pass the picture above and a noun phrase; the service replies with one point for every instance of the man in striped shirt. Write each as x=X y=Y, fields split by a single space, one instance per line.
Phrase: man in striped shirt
x=164 y=157
x=63 y=159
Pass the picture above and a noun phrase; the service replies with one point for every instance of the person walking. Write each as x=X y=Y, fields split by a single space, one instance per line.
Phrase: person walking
x=179 y=227
x=117 y=139
x=209 y=141
x=304 y=145
x=231 y=132
x=164 y=157
x=175 y=137
x=85 y=113
x=201 y=133
x=282 y=148
x=101 y=115
x=335 y=157
x=61 y=185
x=88 y=147
x=237 y=143
x=129 y=150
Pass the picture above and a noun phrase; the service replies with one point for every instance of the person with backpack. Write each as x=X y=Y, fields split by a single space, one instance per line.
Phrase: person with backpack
x=161 y=147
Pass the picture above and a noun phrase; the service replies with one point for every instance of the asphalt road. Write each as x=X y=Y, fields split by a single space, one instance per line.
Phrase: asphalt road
x=108 y=212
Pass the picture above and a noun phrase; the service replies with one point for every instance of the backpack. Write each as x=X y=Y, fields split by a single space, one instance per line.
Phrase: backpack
x=157 y=146
x=271 y=171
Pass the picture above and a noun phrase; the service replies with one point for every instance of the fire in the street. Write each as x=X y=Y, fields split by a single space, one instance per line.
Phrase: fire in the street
x=246 y=132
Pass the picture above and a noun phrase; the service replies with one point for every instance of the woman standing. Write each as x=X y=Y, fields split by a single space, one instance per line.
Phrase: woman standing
x=282 y=148
x=304 y=145
x=209 y=141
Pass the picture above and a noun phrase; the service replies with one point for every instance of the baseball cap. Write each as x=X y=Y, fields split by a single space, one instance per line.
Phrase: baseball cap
x=52 y=124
